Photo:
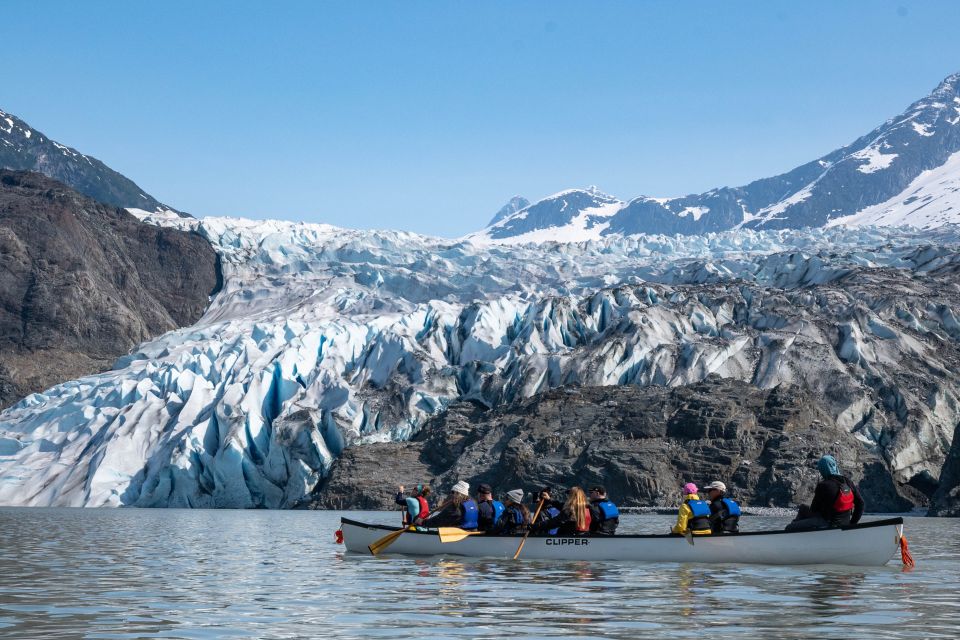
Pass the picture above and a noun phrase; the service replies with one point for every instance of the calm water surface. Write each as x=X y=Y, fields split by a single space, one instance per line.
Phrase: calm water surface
x=72 y=573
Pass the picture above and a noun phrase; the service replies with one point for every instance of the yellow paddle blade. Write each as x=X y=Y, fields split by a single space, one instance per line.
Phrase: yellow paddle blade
x=455 y=534
x=386 y=541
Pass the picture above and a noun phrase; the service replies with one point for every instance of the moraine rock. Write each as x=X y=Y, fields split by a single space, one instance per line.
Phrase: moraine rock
x=82 y=282
x=642 y=443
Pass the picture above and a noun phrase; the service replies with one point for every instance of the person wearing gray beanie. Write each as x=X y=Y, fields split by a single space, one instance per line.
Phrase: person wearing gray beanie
x=516 y=517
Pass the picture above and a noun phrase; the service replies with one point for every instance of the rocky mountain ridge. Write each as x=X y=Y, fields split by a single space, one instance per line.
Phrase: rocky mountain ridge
x=904 y=172
x=23 y=148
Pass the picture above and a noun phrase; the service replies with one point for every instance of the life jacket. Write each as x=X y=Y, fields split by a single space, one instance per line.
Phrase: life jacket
x=732 y=507
x=424 y=507
x=731 y=523
x=844 y=501
x=701 y=516
x=471 y=515
x=608 y=510
x=515 y=515
x=552 y=512
x=497 y=510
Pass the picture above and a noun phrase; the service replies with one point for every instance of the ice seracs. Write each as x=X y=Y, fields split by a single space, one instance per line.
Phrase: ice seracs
x=323 y=337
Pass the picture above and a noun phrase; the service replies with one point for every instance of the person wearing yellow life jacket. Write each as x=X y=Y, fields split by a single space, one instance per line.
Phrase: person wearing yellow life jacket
x=693 y=515
x=836 y=501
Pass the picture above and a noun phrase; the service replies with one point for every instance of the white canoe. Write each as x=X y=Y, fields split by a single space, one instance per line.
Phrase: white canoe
x=865 y=544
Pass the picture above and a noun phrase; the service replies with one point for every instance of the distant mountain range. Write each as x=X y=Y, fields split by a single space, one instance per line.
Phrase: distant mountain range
x=904 y=172
x=23 y=148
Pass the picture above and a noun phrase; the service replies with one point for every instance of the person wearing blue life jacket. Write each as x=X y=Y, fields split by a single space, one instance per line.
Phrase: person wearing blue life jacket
x=550 y=509
x=724 y=511
x=693 y=515
x=516 y=517
x=604 y=515
x=458 y=510
x=490 y=510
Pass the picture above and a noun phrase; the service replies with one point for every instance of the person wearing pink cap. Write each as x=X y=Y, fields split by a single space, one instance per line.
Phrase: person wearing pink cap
x=694 y=514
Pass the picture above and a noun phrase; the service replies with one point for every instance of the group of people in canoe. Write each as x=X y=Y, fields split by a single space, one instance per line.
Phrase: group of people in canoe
x=836 y=502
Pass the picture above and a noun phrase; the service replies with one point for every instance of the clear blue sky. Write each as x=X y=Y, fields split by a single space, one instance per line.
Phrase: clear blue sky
x=428 y=116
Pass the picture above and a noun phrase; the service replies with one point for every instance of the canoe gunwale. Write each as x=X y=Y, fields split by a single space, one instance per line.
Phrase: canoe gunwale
x=854 y=527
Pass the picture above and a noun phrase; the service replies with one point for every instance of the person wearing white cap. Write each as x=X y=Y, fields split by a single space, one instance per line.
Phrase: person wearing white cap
x=458 y=510
x=724 y=511
x=516 y=517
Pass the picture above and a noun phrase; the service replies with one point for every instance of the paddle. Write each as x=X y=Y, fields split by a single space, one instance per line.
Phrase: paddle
x=689 y=536
x=387 y=540
x=455 y=534
x=532 y=521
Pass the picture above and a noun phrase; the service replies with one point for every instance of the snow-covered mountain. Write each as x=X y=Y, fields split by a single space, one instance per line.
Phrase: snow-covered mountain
x=23 y=148
x=324 y=337
x=904 y=172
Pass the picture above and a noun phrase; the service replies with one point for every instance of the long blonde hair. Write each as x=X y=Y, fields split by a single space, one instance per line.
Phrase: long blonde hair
x=576 y=506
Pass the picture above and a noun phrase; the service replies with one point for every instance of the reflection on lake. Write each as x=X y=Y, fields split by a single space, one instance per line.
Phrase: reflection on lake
x=71 y=573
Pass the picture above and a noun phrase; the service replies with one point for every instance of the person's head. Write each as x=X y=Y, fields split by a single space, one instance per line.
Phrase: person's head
x=689 y=489
x=716 y=489
x=827 y=466
x=423 y=490
x=597 y=492
x=514 y=496
x=544 y=494
x=460 y=492
x=484 y=492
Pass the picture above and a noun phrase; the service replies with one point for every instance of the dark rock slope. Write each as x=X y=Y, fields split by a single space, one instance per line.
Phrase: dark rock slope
x=82 y=282
x=643 y=443
x=946 y=501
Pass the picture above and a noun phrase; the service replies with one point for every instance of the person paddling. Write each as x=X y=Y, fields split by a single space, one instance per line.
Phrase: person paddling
x=724 y=511
x=573 y=519
x=516 y=516
x=415 y=505
x=490 y=510
x=551 y=509
x=604 y=515
x=836 y=501
x=694 y=514
x=458 y=510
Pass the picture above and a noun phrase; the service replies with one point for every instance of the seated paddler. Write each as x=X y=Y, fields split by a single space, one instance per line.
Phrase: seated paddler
x=415 y=505
x=836 y=501
x=458 y=510
x=604 y=515
x=516 y=517
x=724 y=511
x=693 y=515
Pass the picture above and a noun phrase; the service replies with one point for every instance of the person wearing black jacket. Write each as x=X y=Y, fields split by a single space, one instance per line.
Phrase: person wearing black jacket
x=724 y=511
x=836 y=501
x=604 y=515
x=550 y=509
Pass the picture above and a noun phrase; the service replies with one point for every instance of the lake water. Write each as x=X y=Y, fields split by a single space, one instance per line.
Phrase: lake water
x=72 y=573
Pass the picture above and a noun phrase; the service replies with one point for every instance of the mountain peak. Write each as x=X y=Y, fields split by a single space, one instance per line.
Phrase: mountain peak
x=23 y=148
x=515 y=204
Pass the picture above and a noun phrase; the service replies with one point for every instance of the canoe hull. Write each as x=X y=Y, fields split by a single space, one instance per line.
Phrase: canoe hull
x=870 y=544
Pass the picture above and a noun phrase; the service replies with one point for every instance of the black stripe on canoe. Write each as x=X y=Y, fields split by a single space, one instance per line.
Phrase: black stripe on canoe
x=854 y=527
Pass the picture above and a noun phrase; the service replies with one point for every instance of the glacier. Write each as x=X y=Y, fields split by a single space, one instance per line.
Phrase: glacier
x=323 y=338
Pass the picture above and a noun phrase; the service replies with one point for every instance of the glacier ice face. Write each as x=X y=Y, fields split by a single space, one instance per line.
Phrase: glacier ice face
x=324 y=337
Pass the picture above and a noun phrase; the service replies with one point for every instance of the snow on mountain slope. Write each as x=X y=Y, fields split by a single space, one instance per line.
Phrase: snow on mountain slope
x=322 y=337
x=860 y=181
x=931 y=200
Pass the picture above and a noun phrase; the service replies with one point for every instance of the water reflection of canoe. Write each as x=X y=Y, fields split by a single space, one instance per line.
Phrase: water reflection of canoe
x=865 y=544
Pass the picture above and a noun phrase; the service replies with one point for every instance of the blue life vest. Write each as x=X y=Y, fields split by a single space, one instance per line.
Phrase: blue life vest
x=732 y=507
x=517 y=515
x=552 y=512
x=471 y=515
x=497 y=510
x=608 y=510
x=701 y=515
